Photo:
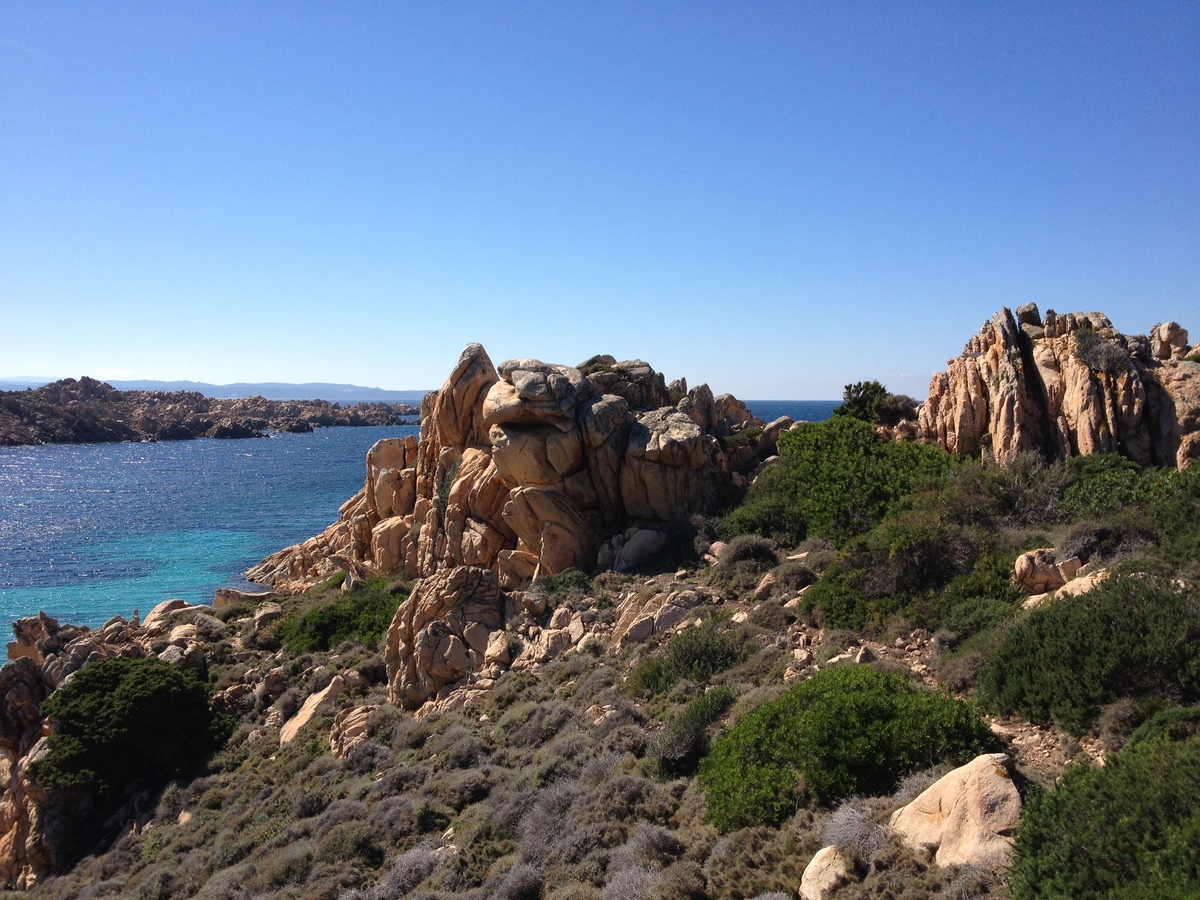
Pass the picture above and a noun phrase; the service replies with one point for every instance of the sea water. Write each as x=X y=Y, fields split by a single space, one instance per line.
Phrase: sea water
x=89 y=531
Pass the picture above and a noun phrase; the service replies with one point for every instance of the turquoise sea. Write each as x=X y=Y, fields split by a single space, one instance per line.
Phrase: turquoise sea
x=88 y=531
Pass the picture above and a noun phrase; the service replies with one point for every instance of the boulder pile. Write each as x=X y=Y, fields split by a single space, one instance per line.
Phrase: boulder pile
x=530 y=469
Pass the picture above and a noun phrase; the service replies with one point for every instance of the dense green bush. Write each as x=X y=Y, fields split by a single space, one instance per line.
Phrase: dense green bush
x=861 y=399
x=848 y=730
x=902 y=559
x=334 y=616
x=1129 y=829
x=695 y=653
x=1126 y=637
x=1176 y=513
x=1177 y=723
x=1104 y=483
x=769 y=510
x=838 y=477
x=119 y=719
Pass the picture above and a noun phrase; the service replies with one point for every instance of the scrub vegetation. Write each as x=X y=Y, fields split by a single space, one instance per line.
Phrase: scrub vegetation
x=714 y=762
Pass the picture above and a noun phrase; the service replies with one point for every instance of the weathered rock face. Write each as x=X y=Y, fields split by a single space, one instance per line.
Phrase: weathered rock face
x=1028 y=384
x=529 y=469
x=969 y=815
x=441 y=633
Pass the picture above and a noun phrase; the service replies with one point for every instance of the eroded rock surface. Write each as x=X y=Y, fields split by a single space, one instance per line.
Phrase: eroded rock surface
x=442 y=632
x=531 y=468
x=969 y=815
x=1067 y=385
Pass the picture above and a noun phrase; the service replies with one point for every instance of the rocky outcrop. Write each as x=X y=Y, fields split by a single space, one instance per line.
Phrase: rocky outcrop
x=967 y=818
x=90 y=411
x=530 y=469
x=315 y=704
x=441 y=633
x=1039 y=571
x=1067 y=385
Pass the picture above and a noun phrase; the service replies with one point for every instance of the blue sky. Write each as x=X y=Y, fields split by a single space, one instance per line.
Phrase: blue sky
x=775 y=198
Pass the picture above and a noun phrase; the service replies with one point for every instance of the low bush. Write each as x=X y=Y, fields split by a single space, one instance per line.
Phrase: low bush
x=678 y=749
x=1103 y=484
x=333 y=617
x=1130 y=828
x=748 y=548
x=1126 y=637
x=849 y=730
x=696 y=653
x=1098 y=353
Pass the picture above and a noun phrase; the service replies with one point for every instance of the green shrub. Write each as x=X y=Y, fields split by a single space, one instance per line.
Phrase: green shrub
x=333 y=617
x=119 y=719
x=1176 y=513
x=861 y=400
x=981 y=599
x=1130 y=828
x=1126 y=637
x=768 y=512
x=848 y=730
x=843 y=478
x=564 y=582
x=1104 y=483
x=748 y=548
x=678 y=749
x=696 y=653
x=1177 y=724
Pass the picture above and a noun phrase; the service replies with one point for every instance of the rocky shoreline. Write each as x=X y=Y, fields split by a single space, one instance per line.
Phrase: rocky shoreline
x=528 y=661
x=89 y=411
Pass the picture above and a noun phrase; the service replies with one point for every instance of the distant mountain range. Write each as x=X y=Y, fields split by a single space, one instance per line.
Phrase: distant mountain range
x=270 y=390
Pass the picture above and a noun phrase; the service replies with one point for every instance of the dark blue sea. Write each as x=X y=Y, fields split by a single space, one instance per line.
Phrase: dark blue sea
x=89 y=531
x=92 y=530
x=799 y=410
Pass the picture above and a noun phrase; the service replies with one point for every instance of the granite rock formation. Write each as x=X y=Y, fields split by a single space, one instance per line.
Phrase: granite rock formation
x=968 y=817
x=1068 y=385
x=530 y=469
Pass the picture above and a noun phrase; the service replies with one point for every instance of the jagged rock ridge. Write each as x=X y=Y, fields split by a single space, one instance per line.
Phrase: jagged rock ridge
x=534 y=468
x=1068 y=385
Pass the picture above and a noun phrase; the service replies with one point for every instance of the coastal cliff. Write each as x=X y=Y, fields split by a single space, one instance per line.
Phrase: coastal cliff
x=89 y=411
x=1068 y=385
x=532 y=469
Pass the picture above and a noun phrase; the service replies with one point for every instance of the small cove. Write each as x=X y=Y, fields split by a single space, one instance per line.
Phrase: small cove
x=89 y=531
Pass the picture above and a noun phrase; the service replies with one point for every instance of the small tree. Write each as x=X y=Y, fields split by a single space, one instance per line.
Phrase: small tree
x=862 y=400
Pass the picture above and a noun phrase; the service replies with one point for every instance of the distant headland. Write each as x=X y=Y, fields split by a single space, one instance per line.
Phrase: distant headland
x=79 y=411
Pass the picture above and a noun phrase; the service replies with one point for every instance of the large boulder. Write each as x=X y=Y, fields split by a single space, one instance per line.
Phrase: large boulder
x=824 y=874
x=967 y=817
x=440 y=634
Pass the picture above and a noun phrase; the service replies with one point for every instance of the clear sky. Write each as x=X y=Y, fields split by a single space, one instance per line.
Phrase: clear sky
x=775 y=198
